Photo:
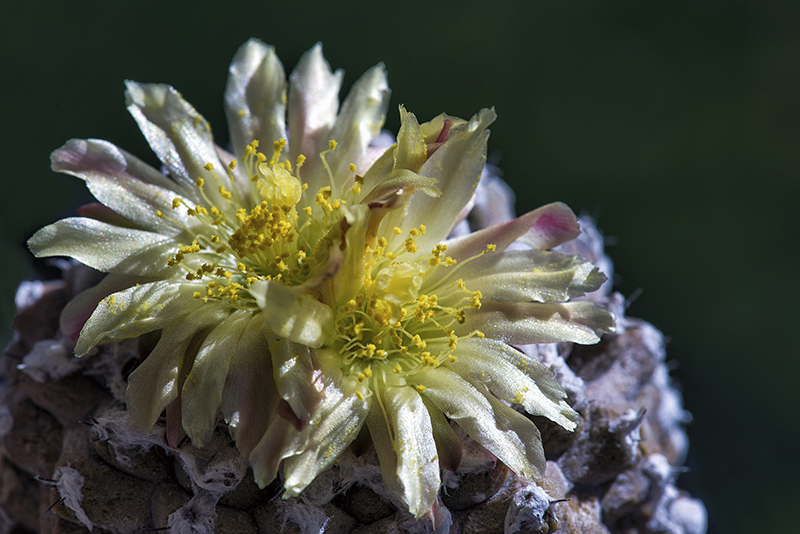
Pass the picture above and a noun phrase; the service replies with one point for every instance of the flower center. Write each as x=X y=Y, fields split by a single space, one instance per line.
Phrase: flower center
x=273 y=240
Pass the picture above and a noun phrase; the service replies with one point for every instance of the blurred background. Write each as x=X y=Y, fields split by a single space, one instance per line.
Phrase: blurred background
x=676 y=124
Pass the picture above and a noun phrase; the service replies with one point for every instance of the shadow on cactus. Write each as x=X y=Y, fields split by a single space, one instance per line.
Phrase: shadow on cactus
x=310 y=288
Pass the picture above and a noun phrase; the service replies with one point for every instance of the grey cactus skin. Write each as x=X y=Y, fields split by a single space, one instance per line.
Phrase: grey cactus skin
x=70 y=463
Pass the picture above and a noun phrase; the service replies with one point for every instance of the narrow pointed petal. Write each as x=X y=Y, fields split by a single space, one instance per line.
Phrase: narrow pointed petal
x=313 y=103
x=78 y=310
x=298 y=376
x=154 y=384
x=122 y=182
x=255 y=97
x=105 y=247
x=532 y=322
x=531 y=275
x=292 y=315
x=266 y=456
x=359 y=122
x=129 y=313
x=201 y=395
x=501 y=430
x=249 y=398
x=514 y=377
x=448 y=444
x=381 y=435
x=553 y=224
x=457 y=165
x=417 y=463
x=180 y=137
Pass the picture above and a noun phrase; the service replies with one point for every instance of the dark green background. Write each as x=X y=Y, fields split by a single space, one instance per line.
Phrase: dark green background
x=676 y=123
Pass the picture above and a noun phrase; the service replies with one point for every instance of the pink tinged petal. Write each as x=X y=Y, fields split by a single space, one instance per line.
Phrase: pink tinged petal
x=255 y=97
x=548 y=226
x=382 y=440
x=532 y=322
x=292 y=315
x=267 y=455
x=101 y=213
x=501 y=430
x=105 y=247
x=530 y=275
x=201 y=395
x=138 y=310
x=180 y=137
x=457 y=165
x=417 y=459
x=120 y=181
x=298 y=377
x=249 y=397
x=359 y=122
x=154 y=384
x=80 y=308
x=514 y=377
x=494 y=201
x=313 y=102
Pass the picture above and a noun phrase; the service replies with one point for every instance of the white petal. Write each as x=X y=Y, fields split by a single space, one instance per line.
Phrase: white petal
x=202 y=392
x=359 y=122
x=530 y=275
x=417 y=459
x=298 y=376
x=501 y=430
x=457 y=165
x=180 y=137
x=514 y=377
x=532 y=322
x=105 y=247
x=255 y=97
x=313 y=102
x=138 y=310
x=154 y=384
x=291 y=314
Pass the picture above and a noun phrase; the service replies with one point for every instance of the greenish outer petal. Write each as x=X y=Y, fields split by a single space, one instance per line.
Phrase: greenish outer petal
x=379 y=431
x=514 y=377
x=250 y=397
x=313 y=103
x=501 y=430
x=293 y=315
x=457 y=165
x=202 y=391
x=153 y=385
x=359 y=122
x=417 y=459
x=530 y=275
x=532 y=322
x=122 y=182
x=138 y=310
x=298 y=376
x=104 y=246
x=180 y=137
x=255 y=97
x=335 y=425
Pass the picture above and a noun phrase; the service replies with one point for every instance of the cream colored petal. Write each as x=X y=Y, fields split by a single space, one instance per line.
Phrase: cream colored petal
x=532 y=322
x=181 y=138
x=138 y=310
x=154 y=384
x=417 y=459
x=530 y=275
x=514 y=377
x=250 y=397
x=358 y=123
x=293 y=315
x=499 y=429
x=550 y=225
x=255 y=98
x=313 y=103
x=298 y=376
x=105 y=247
x=457 y=165
x=202 y=391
